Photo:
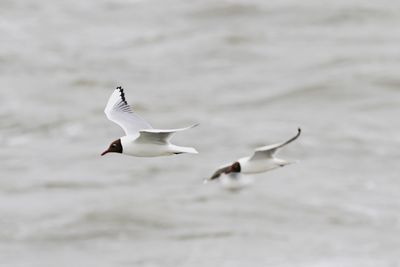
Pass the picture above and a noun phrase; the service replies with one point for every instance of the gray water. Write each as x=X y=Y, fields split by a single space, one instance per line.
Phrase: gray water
x=250 y=72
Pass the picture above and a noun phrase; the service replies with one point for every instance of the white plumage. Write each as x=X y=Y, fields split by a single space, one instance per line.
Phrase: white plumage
x=141 y=139
x=262 y=160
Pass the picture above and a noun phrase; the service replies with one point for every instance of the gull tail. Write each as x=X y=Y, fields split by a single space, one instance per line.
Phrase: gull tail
x=182 y=149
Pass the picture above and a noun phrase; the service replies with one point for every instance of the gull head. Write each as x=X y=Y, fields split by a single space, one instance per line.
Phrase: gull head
x=235 y=168
x=115 y=147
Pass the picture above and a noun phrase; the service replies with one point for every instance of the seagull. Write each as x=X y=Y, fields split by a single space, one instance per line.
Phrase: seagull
x=262 y=160
x=141 y=140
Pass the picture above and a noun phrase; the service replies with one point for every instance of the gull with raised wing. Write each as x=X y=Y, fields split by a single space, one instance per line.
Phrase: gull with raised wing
x=262 y=160
x=141 y=140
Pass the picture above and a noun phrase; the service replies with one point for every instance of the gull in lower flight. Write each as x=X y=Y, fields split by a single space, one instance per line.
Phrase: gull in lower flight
x=262 y=160
x=141 y=140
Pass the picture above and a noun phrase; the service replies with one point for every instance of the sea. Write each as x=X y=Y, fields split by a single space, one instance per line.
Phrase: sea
x=250 y=72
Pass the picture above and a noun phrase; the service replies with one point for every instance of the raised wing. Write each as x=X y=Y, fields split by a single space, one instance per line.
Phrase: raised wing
x=118 y=111
x=269 y=151
x=159 y=136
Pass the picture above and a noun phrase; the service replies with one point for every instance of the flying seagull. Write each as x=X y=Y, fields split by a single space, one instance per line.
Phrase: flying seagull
x=141 y=140
x=262 y=160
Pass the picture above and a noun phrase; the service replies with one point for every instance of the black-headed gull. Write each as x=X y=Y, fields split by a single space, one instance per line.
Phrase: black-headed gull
x=262 y=160
x=141 y=140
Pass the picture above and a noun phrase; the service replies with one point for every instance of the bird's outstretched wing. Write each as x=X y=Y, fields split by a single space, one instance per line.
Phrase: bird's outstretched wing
x=269 y=151
x=118 y=111
x=159 y=136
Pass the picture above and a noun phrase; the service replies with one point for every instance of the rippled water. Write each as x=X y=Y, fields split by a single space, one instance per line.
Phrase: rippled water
x=250 y=72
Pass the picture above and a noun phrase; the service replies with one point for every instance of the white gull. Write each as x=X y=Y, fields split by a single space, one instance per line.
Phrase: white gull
x=262 y=160
x=141 y=140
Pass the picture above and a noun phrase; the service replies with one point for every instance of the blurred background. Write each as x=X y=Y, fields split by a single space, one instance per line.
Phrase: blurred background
x=250 y=72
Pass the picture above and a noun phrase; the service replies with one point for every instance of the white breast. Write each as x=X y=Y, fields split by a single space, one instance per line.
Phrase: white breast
x=257 y=166
x=130 y=147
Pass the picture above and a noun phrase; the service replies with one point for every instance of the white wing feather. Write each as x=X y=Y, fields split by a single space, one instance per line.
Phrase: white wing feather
x=158 y=135
x=269 y=151
x=118 y=111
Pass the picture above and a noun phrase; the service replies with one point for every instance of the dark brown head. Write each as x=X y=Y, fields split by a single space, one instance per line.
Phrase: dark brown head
x=115 y=147
x=235 y=167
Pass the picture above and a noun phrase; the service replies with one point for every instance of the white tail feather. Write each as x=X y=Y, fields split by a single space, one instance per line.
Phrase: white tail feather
x=189 y=150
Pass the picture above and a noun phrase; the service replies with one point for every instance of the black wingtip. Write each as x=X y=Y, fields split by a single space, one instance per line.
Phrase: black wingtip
x=298 y=132
x=121 y=91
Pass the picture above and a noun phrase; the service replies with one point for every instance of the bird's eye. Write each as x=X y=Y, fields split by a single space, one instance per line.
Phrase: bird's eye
x=114 y=145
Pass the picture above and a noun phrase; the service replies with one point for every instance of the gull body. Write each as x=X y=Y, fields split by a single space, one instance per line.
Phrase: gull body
x=141 y=139
x=249 y=166
x=138 y=149
x=262 y=160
